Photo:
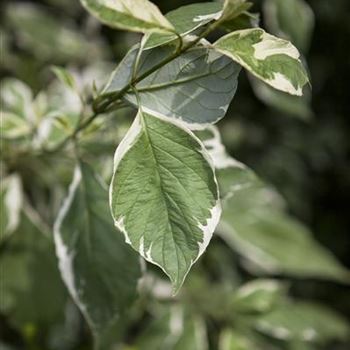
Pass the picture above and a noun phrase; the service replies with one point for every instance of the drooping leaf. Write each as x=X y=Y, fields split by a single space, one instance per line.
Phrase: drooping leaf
x=232 y=175
x=134 y=15
x=290 y=19
x=273 y=60
x=11 y=200
x=100 y=272
x=254 y=224
x=174 y=329
x=13 y=126
x=196 y=87
x=303 y=321
x=186 y=20
x=164 y=195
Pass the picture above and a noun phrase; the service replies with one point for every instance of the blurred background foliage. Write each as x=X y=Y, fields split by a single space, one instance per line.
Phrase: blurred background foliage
x=300 y=146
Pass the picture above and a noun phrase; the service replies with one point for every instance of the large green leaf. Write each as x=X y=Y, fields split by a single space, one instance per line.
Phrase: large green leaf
x=100 y=272
x=134 y=15
x=164 y=195
x=186 y=19
x=304 y=322
x=273 y=60
x=196 y=87
x=281 y=17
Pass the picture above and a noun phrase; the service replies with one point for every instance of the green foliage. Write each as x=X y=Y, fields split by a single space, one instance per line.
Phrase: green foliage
x=175 y=191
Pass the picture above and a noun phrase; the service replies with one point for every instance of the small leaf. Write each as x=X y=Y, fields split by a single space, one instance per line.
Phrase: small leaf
x=65 y=77
x=174 y=329
x=281 y=17
x=258 y=296
x=196 y=87
x=11 y=197
x=164 y=195
x=13 y=126
x=134 y=15
x=16 y=97
x=303 y=321
x=273 y=60
x=100 y=272
x=234 y=8
x=186 y=19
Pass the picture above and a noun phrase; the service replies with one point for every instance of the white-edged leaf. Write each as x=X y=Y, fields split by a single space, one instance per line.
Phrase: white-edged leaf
x=255 y=225
x=303 y=321
x=164 y=195
x=11 y=200
x=281 y=17
x=134 y=15
x=14 y=126
x=273 y=60
x=100 y=272
x=186 y=19
x=196 y=87
x=231 y=174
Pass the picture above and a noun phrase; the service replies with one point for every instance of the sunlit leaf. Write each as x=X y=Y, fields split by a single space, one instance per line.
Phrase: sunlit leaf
x=100 y=272
x=275 y=61
x=134 y=15
x=164 y=195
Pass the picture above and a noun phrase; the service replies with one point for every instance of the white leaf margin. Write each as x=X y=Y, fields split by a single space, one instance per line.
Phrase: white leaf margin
x=215 y=212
